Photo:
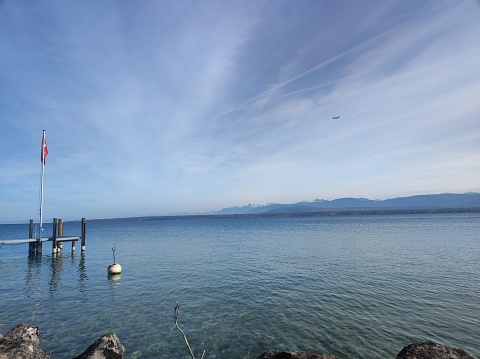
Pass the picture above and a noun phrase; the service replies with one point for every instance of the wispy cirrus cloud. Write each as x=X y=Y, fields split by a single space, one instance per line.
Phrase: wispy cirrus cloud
x=159 y=107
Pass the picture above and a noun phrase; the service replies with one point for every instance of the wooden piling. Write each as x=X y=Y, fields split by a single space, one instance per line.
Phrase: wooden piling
x=60 y=234
x=84 y=223
x=35 y=244
x=73 y=242
x=54 y=241
x=38 y=243
x=31 y=245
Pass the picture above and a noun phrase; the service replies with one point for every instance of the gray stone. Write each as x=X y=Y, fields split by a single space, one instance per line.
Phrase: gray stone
x=106 y=347
x=293 y=355
x=430 y=350
x=21 y=342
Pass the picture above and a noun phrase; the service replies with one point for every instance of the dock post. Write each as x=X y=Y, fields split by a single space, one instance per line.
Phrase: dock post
x=84 y=221
x=54 y=242
x=73 y=246
x=31 y=245
x=38 y=244
x=60 y=234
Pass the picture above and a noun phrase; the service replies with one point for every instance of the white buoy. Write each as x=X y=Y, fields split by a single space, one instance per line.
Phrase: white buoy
x=114 y=268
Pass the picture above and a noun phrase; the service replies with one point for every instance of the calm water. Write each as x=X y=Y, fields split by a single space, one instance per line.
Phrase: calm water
x=354 y=287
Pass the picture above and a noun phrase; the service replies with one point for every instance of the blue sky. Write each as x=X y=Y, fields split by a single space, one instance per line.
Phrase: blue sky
x=158 y=107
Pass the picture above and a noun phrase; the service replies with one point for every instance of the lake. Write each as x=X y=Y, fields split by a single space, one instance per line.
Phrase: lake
x=350 y=286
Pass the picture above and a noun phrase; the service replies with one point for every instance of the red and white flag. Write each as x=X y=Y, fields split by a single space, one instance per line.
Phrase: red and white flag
x=44 y=152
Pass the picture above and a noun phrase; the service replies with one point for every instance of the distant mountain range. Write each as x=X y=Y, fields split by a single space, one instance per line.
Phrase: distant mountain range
x=429 y=203
x=420 y=202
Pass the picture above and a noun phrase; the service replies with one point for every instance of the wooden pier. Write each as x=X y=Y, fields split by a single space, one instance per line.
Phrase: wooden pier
x=57 y=239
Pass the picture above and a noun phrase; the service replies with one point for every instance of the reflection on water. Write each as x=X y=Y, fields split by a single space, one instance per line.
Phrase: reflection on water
x=56 y=263
x=83 y=277
x=113 y=284
x=36 y=265
x=114 y=277
x=33 y=285
x=54 y=272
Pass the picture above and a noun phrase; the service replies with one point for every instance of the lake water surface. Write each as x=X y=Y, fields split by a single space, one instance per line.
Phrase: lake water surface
x=350 y=286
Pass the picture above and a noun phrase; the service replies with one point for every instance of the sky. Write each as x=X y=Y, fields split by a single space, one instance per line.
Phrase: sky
x=160 y=107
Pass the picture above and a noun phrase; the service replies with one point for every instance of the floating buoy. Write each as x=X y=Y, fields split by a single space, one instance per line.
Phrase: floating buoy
x=114 y=268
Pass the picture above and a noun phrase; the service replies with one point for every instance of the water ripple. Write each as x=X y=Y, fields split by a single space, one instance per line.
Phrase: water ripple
x=355 y=287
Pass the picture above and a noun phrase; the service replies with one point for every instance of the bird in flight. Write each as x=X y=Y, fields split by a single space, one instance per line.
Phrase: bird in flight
x=336 y=117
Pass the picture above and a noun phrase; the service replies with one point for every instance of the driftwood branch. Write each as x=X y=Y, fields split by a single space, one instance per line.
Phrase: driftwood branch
x=175 y=325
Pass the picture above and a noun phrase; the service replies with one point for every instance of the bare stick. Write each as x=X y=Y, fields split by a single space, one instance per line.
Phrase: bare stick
x=175 y=325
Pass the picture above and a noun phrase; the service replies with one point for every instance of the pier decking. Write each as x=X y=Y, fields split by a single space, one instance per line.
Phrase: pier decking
x=43 y=239
x=57 y=239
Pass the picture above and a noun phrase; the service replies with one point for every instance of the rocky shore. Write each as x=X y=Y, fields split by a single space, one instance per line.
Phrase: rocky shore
x=23 y=342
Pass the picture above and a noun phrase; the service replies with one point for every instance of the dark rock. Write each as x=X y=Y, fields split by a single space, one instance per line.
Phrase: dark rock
x=106 y=347
x=293 y=355
x=430 y=350
x=21 y=342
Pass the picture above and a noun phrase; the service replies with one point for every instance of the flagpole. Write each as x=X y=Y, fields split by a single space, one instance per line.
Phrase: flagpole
x=41 y=184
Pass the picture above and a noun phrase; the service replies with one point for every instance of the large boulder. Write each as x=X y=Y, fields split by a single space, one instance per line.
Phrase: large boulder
x=293 y=355
x=106 y=347
x=430 y=350
x=22 y=342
